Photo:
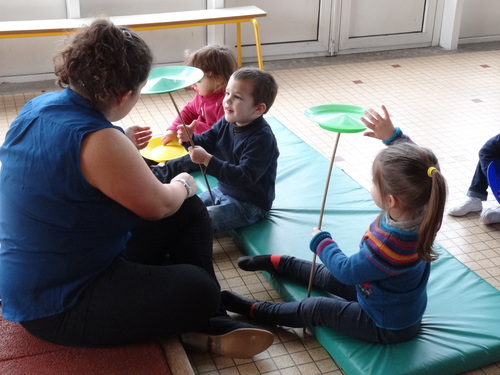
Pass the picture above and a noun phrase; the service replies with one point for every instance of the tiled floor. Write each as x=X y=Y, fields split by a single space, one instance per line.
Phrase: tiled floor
x=447 y=101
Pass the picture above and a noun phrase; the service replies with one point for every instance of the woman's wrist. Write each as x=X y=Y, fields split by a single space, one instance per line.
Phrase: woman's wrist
x=187 y=186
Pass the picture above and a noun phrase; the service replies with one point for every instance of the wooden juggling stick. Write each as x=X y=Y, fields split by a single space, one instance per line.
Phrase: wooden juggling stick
x=320 y=222
x=192 y=144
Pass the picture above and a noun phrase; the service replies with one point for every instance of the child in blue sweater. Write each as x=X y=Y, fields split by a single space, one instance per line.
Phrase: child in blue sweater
x=382 y=288
x=240 y=150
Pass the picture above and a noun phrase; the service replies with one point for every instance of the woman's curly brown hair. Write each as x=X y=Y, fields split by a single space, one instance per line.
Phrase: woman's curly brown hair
x=102 y=62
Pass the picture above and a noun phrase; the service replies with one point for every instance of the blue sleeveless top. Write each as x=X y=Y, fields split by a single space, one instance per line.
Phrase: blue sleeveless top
x=57 y=232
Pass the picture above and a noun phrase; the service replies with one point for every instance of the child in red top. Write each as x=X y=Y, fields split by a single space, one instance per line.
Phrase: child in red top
x=218 y=63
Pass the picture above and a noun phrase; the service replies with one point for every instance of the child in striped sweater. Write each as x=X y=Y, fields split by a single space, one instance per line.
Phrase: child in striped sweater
x=382 y=288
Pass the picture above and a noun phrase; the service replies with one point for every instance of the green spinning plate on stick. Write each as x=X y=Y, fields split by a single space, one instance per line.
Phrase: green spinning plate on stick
x=340 y=118
x=168 y=79
x=171 y=78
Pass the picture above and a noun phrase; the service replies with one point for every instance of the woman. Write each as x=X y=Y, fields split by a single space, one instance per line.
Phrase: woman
x=95 y=251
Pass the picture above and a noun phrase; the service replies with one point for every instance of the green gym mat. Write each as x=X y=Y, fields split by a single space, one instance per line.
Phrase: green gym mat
x=461 y=326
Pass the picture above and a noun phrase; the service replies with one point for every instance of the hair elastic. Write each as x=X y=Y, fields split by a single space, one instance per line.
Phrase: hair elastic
x=429 y=171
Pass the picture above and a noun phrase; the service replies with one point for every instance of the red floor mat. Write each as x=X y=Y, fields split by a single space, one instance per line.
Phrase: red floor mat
x=21 y=353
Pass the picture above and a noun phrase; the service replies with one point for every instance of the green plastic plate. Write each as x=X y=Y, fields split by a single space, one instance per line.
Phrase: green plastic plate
x=171 y=78
x=340 y=118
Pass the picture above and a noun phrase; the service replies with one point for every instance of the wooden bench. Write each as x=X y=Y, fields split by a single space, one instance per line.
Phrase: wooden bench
x=141 y=22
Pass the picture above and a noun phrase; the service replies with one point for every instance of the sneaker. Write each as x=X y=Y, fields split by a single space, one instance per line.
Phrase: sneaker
x=471 y=204
x=491 y=215
x=239 y=343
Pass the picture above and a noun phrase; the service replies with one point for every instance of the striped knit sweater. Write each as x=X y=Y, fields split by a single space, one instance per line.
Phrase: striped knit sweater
x=390 y=278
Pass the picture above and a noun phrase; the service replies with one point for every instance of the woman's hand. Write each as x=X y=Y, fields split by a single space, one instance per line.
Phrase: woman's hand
x=139 y=135
x=381 y=125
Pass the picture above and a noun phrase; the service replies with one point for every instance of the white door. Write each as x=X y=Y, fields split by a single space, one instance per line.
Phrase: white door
x=292 y=28
x=369 y=25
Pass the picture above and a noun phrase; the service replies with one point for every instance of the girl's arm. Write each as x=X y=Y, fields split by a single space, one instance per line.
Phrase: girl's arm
x=111 y=163
x=381 y=127
x=352 y=270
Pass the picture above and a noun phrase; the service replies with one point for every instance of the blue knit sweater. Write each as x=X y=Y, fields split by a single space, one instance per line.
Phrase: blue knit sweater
x=389 y=276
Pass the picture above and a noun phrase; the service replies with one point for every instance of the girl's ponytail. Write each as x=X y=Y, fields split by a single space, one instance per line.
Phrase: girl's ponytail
x=432 y=215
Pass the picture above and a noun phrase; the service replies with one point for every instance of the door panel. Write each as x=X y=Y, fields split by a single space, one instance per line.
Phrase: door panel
x=291 y=28
x=382 y=24
x=405 y=17
x=480 y=20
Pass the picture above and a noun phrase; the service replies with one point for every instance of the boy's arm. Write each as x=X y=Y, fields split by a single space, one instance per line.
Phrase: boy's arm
x=209 y=138
x=199 y=155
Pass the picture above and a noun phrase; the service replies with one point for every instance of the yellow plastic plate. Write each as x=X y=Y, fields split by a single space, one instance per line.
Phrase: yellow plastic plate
x=159 y=153
x=340 y=118
x=171 y=78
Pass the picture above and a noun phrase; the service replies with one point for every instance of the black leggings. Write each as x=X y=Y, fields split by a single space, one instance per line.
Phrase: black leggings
x=163 y=284
x=341 y=312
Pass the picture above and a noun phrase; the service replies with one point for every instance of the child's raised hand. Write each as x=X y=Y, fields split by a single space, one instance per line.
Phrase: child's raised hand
x=181 y=132
x=199 y=155
x=139 y=135
x=381 y=125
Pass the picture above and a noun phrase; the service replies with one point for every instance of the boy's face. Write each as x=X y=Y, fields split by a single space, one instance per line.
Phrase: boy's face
x=239 y=106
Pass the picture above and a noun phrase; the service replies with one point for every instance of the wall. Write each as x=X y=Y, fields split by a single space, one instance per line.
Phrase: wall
x=292 y=28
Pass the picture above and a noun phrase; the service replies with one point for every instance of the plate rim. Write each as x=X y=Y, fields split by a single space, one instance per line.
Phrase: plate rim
x=198 y=76
x=308 y=112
